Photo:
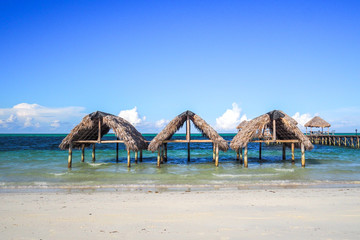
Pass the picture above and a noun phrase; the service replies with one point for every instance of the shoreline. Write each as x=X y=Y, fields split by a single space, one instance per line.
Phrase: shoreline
x=306 y=213
x=180 y=187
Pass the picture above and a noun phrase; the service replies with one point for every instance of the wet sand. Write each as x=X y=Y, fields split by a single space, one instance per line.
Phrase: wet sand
x=308 y=213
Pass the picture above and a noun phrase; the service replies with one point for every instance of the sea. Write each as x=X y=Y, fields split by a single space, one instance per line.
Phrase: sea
x=34 y=162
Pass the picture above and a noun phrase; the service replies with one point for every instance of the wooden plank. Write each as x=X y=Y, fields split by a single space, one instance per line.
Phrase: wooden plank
x=95 y=141
x=276 y=141
x=191 y=141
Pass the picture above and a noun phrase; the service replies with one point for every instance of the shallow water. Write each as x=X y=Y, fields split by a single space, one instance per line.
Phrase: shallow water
x=35 y=161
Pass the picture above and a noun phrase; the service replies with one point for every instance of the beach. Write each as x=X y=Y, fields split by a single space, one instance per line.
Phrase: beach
x=274 y=213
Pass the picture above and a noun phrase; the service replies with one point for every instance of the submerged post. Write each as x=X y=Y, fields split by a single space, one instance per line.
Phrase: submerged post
x=162 y=153
x=136 y=156
x=117 y=152
x=158 y=158
x=283 y=151
x=241 y=155
x=238 y=154
x=70 y=156
x=82 y=152
x=93 y=153
x=165 y=152
x=293 y=152
x=214 y=154
x=259 y=151
x=128 y=158
x=217 y=155
x=302 y=155
x=188 y=136
x=246 y=156
x=141 y=155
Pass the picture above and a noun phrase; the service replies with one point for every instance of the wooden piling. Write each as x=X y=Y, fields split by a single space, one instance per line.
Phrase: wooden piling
x=188 y=137
x=158 y=158
x=141 y=157
x=217 y=155
x=165 y=152
x=241 y=155
x=136 y=157
x=283 y=151
x=246 y=156
x=128 y=158
x=274 y=130
x=260 y=151
x=162 y=153
x=99 y=130
x=358 y=142
x=214 y=150
x=82 y=152
x=117 y=152
x=238 y=154
x=352 y=142
x=93 y=153
x=302 y=155
x=70 y=156
x=293 y=152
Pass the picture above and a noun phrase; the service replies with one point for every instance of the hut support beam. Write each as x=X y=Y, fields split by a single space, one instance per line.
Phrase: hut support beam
x=82 y=152
x=302 y=155
x=93 y=153
x=136 y=157
x=128 y=158
x=162 y=153
x=165 y=152
x=238 y=154
x=99 y=132
x=188 y=136
x=246 y=156
x=158 y=158
x=214 y=154
x=259 y=151
x=274 y=130
x=293 y=152
x=217 y=155
x=141 y=156
x=117 y=152
x=70 y=157
x=283 y=151
x=241 y=155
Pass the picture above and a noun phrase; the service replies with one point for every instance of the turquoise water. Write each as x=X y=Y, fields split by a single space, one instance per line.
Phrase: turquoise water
x=35 y=161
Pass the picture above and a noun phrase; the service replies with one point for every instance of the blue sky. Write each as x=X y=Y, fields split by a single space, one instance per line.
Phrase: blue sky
x=224 y=60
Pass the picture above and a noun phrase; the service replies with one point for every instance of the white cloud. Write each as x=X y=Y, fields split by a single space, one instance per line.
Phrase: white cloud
x=132 y=116
x=302 y=119
x=161 y=123
x=230 y=119
x=28 y=117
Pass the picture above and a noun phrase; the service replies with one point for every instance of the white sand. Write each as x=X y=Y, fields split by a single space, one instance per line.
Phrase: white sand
x=228 y=214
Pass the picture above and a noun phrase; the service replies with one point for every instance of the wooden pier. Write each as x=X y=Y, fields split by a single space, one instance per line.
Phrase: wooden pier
x=351 y=141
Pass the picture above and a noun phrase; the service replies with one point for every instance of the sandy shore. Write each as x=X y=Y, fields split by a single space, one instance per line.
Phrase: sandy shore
x=327 y=213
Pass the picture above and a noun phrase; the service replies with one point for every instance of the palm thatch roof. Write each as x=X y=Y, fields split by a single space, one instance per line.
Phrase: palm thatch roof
x=175 y=124
x=286 y=129
x=242 y=124
x=88 y=129
x=317 y=122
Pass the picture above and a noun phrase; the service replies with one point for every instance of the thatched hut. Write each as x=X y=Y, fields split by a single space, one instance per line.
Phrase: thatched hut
x=317 y=122
x=282 y=128
x=95 y=125
x=242 y=125
x=160 y=141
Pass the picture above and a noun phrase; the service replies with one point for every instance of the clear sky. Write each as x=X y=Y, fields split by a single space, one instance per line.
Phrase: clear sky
x=152 y=60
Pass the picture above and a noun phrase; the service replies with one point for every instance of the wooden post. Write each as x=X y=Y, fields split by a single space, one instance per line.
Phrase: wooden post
x=339 y=141
x=70 y=156
x=82 y=152
x=352 y=142
x=217 y=155
x=214 y=154
x=260 y=151
x=117 y=152
x=358 y=142
x=345 y=141
x=99 y=132
x=283 y=151
x=238 y=154
x=165 y=152
x=246 y=156
x=274 y=130
x=158 y=157
x=162 y=153
x=128 y=158
x=293 y=152
x=302 y=155
x=136 y=157
x=188 y=136
x=241 y=156
x=141 y=155
x=93 y=153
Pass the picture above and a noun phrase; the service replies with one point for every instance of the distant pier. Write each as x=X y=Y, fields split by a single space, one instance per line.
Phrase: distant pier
x=351 y=141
